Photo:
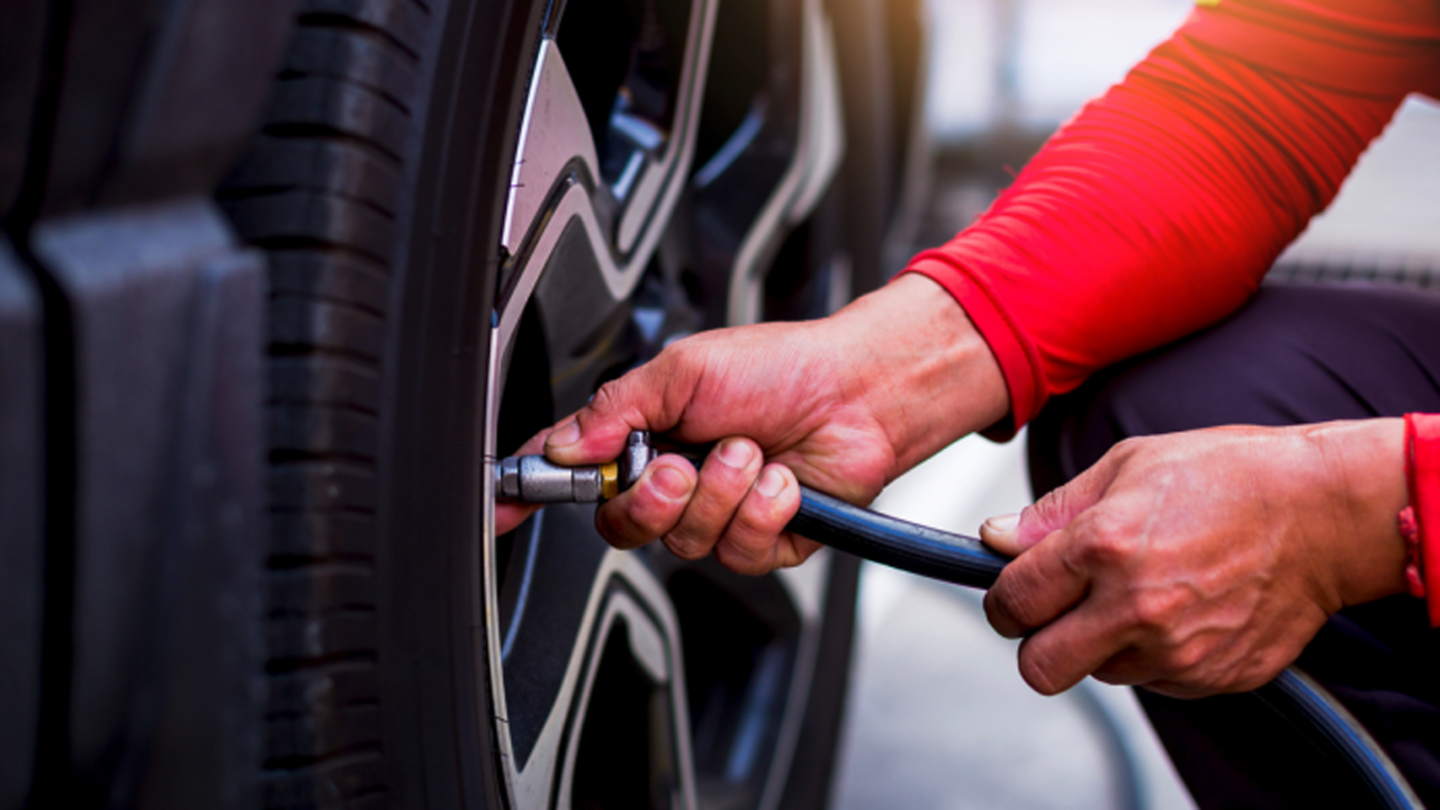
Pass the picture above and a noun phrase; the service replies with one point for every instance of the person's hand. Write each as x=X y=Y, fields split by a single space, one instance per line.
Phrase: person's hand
x=842 y=404
x=1201 y=562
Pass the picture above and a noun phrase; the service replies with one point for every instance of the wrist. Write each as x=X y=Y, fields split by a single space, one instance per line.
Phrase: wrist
x=1365 y=469
x=924 y=370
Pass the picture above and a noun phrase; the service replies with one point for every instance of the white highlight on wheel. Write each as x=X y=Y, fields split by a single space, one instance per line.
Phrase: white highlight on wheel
x=553 y=134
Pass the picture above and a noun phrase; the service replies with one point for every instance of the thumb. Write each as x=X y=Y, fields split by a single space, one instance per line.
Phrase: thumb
x=1015 y=534
x=643 y=399
x=1002 y=534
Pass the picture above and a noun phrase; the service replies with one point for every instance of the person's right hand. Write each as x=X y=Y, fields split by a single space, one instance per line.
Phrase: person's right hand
x=844 y=405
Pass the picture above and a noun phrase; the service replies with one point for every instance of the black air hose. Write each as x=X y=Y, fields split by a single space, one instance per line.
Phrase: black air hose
x=966 y=561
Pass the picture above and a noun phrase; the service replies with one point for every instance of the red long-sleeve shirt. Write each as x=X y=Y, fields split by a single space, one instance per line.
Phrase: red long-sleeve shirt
x=1157 y=209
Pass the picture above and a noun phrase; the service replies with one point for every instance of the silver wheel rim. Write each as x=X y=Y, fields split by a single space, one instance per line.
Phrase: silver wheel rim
x=558 y=191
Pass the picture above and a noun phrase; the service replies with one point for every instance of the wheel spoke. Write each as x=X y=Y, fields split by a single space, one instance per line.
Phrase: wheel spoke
x=774 y=167
x=748 y=681
x=626 y=655
x=563 y=556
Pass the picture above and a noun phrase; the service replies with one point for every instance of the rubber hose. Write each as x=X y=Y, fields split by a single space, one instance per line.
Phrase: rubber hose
x=965 y=560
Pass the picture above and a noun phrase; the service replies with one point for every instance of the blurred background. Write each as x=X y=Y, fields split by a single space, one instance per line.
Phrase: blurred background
x=939 y=717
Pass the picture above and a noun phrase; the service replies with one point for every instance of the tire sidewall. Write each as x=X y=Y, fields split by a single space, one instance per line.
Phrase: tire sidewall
x=439 y=746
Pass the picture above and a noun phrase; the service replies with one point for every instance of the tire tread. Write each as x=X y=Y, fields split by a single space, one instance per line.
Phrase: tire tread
x=321 y=189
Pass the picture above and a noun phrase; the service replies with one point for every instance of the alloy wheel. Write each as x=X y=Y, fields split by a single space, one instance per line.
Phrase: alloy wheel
x=624 y=679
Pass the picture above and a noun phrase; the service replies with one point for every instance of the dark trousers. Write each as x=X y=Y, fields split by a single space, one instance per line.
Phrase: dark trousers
x=1295 y=354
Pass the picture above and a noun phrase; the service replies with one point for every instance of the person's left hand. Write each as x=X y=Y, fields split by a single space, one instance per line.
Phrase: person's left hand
x=1201 y=562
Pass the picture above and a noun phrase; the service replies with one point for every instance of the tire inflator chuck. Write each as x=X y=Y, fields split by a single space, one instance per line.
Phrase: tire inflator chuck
x=960 y=560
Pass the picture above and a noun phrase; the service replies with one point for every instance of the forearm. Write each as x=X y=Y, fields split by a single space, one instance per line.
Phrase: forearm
x=920 y=366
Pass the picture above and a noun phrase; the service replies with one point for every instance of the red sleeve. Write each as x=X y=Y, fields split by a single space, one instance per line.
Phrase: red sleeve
x=1422 y=473
x=1156 y=211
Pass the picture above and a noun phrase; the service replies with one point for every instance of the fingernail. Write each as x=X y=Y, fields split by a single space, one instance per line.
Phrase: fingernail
x=671 y=483
x=736 y=453
x=564 y=436
x=1003 y=524
x=771 y=483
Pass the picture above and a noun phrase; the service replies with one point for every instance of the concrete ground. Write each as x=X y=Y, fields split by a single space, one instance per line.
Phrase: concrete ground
x=939 y=717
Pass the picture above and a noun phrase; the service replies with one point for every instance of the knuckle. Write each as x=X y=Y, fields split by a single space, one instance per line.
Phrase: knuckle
x=646 y=517
x=747 y=534
x=1126 y=448
x=617 y=530
x=1038 y=669
x=709 y=516
x=648 y=526
x=1056 y=509
x=1183 y=659
x=679 y=357
x=1154 y=611
x=1049 y=504
x=748 y=545
x=1114 y=674
x=1027 y=603
x=606 y=397
x=726 y=487
x=1104 y=544
x=743 y=558
x=685 y=548
x=1008 y=610
x=760 y=516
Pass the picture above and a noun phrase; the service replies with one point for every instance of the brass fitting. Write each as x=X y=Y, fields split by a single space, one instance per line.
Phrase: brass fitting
x=609 y=480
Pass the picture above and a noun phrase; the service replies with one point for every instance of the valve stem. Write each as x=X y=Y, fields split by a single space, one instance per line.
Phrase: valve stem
x=536 y=479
